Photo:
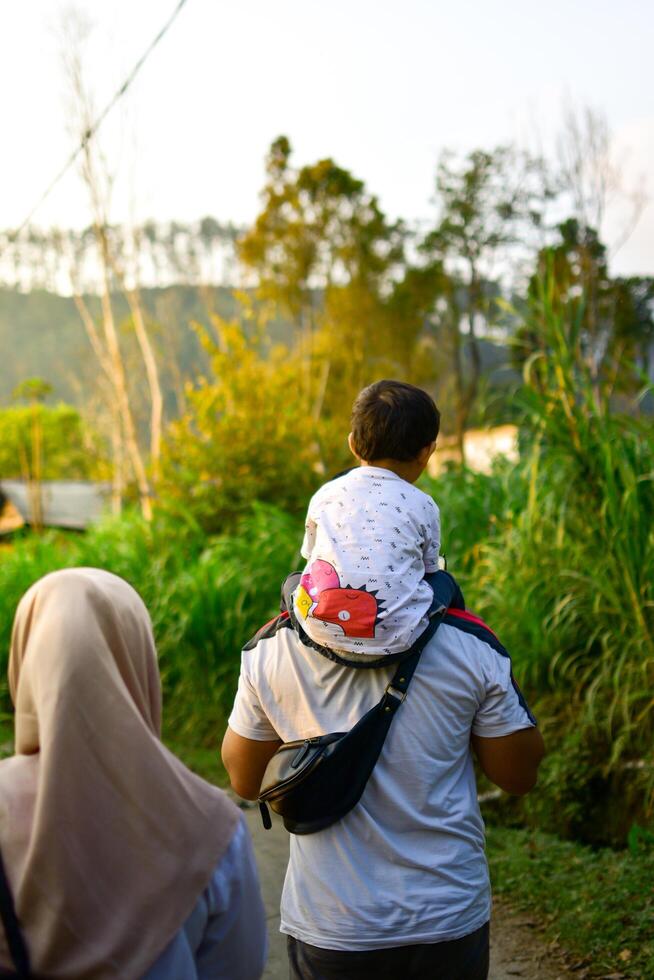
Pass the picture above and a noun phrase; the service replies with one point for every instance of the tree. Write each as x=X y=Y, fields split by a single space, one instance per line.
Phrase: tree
x=323 y=254
x=105 y=343
x=634 y=318
x=592 y=177
x=68 y=447
x=244 y=436
x=34 y=391
x=490 y=205
x=41 y=442
x=615 y=317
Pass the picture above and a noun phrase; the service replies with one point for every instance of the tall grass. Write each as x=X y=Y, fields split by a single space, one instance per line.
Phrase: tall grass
x=557 y=554
x=206 y=596
x=565 y=573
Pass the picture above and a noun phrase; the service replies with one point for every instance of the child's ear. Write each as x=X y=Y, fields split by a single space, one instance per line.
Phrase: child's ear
x=350 y=442
x=426 y=452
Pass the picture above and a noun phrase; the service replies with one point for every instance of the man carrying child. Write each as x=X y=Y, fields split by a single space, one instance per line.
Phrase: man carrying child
x=399 y=886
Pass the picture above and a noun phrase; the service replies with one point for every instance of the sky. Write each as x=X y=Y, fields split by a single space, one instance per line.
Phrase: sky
x=382 y=86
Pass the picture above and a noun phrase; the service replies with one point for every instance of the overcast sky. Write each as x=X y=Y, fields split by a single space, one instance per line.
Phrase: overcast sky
x=383 y=86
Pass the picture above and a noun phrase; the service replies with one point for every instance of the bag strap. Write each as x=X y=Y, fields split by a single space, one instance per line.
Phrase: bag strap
x=15 y=941
x=398 y=686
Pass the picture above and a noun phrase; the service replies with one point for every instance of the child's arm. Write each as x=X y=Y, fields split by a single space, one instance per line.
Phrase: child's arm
x=432 y=544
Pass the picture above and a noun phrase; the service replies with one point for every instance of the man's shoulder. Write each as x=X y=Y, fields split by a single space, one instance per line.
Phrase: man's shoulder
x=466 y=622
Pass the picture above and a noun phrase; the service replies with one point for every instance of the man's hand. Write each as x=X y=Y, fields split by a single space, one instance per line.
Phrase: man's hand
x=245 y=761
x=511 y=761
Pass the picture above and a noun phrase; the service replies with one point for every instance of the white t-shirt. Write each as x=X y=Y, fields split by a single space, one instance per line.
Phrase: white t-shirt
x=370 y=537
x=407 y=864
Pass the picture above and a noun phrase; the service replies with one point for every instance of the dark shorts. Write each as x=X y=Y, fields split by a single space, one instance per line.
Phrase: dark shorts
x=458 y=959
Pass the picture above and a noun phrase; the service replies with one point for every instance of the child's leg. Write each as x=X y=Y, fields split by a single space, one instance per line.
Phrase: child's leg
x=441 y=585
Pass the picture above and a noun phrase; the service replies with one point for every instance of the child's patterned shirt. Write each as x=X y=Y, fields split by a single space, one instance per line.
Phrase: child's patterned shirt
x=370 y=538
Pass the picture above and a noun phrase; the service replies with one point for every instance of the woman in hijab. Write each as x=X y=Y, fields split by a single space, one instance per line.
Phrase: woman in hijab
x=121 y=862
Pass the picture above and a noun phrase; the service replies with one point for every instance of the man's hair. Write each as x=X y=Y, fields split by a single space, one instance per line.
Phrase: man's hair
x=393 y=420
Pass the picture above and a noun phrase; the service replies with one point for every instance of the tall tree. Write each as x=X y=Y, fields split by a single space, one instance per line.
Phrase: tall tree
x=34 y=391
x=324 y=255
x=105 y=343
x=615 y=317
x=593 y=178
x=490 y=204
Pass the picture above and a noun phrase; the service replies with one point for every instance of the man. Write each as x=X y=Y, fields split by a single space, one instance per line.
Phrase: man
x=399 y=887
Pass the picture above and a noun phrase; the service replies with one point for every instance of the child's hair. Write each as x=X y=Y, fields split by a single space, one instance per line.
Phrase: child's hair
x=393 y=420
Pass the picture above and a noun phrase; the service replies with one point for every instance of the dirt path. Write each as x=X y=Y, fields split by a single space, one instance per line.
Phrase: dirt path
x=517 y=951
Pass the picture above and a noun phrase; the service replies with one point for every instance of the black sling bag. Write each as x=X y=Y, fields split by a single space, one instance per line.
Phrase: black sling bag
x=15 y=941
x=313 y=783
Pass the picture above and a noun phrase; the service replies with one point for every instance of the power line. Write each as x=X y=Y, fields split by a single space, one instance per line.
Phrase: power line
x=92 y=130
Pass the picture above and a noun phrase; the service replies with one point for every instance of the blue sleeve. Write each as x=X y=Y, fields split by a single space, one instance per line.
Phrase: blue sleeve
x=224 y=937
x=234 y=943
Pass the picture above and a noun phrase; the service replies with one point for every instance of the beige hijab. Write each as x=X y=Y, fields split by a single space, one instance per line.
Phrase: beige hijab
x=107 y=838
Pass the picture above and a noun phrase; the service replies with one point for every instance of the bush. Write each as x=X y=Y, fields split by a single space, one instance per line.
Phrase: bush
x=206 y=596
x=558 y=554
x=69 y=449
x=244 y=436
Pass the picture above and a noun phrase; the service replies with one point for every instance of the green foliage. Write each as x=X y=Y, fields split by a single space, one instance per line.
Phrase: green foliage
x=243 y=437
x=597 y=904
x=69 y=449
x=615 y=317
x=32 y=390
x=327 y=257
x=640 y=840
x=473 y=506
x=319 y=227
x=206 y=597
x=590 y=515
x=558 y=554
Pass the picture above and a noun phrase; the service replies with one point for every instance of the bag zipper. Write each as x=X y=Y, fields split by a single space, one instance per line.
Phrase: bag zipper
x=304 y=751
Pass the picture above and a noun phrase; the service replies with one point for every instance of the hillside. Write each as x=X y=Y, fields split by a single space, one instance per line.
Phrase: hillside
x=41 y=335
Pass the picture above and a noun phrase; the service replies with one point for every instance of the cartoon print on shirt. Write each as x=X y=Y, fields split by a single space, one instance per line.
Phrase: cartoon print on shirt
x=354 y=611
x=319 y=576
x=303 y=601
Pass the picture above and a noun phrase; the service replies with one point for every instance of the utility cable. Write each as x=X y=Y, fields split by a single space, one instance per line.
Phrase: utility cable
x=92 y=130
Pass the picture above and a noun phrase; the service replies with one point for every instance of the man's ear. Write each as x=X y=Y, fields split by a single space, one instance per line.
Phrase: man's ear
x=350 y=442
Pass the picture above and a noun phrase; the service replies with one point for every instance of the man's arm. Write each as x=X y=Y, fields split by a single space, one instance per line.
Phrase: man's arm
x=511 y=761
x=245 y=760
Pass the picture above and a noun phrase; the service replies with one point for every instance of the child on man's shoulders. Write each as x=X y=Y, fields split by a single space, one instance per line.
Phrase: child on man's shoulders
x=371 y=536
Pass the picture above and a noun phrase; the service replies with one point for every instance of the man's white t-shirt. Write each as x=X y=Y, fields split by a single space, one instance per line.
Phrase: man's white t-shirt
x=407 y=864
x=370 y=538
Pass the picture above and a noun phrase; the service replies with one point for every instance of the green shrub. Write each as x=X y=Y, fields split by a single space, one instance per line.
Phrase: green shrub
x=206 y=596
x=558 y=555
x=244 y=436
x=69 y=449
